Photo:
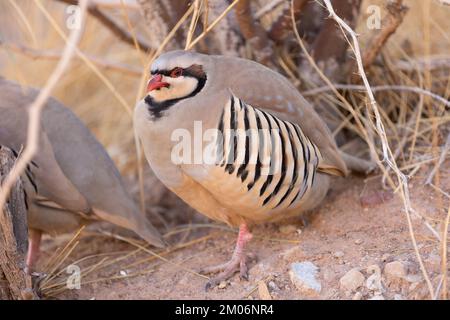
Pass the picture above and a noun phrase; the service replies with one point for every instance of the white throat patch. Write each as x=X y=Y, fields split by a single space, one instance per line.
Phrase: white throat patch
x=179 y=88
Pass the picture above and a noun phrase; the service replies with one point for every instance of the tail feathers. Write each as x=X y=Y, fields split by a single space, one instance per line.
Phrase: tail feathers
x=356 y=164
x=138 y=224
x=331 y=170
x=149 y=233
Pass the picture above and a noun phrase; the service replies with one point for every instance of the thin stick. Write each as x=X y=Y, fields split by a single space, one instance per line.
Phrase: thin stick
x=85 y=59
x=36 y=107
x=212 y=25
x=155 y=254
x=387 y=153
x=24 y=18
x=54 y=55
x=417 y=90
x=194 y=20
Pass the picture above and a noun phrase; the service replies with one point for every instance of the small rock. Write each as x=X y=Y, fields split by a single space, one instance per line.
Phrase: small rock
x=222 y=285
x=394 y=270
x=377 y=297
x=273 y=286
x=288 y=229
x=385 y=257
x=123 y=273
x=303 y=276
x=358 y=241
x=352 y=280
x=338 y=254
x=373 y=282
x=357 y=296
x=395 y=274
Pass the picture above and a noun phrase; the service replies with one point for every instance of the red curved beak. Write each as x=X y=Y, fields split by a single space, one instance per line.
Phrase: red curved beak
x=155 y=83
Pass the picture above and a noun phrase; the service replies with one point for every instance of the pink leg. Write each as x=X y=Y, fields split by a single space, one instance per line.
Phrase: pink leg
x=34 y=242
x=238 y=260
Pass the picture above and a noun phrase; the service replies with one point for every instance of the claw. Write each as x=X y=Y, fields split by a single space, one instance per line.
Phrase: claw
x=237 y=263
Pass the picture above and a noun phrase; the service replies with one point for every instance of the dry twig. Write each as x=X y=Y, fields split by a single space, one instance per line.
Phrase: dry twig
x=387 y=153
x=396 y=13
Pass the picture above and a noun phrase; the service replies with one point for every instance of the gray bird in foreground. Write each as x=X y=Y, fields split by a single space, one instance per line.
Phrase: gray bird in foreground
x=274 y=154
x=71 y=180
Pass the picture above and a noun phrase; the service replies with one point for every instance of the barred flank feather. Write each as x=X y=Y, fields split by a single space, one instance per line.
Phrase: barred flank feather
x=272 y=157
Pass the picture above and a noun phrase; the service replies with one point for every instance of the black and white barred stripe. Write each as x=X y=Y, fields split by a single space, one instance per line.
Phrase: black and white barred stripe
x=271 y=157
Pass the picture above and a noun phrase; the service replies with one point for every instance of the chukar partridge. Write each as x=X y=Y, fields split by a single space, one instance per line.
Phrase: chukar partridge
x=71 y=180
x=266 y=154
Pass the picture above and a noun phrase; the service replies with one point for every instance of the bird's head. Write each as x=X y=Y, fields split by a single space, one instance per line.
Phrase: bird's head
x=175 y=76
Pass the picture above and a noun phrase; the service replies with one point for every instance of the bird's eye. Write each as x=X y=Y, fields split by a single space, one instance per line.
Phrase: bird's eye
x=177 y=72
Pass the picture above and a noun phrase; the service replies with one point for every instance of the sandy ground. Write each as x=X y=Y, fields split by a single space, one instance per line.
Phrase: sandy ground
x=341 y=235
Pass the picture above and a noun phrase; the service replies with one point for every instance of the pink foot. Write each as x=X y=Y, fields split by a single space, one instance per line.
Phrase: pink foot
x=238 y=261
x=34 y=242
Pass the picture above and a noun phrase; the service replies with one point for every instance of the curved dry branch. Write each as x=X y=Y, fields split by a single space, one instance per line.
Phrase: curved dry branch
x=396 y=13
x=56 y=55
x=388 y=157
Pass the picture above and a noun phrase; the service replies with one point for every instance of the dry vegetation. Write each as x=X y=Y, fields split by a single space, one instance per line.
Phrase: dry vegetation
x=406 y=132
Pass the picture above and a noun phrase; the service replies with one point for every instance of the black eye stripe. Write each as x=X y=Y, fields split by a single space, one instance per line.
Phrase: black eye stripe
x=163 y=72
x=185 y=73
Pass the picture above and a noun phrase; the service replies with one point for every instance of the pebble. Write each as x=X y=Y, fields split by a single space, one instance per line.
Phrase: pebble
x=352 y=280
x=395 y=270
x=304 y=276
x=273 y=286
x=395 y=274
x=358 y=241
x=123 y=273
x=338 y=254
x=288 y=229
x=357 y=296
x=373 y=282
x=222 y=285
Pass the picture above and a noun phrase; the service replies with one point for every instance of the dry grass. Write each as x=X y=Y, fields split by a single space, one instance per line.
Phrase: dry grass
x=104 y=82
